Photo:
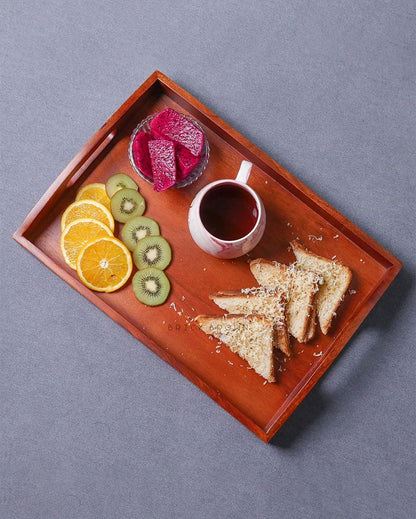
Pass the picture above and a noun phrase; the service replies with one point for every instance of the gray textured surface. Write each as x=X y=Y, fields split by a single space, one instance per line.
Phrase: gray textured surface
x=94 y=425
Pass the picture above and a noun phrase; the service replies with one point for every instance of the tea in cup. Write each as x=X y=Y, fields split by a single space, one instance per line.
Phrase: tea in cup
x=227 y=217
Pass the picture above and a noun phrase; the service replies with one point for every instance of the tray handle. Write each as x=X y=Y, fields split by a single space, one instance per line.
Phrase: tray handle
x=68 y=177
x=76 y=173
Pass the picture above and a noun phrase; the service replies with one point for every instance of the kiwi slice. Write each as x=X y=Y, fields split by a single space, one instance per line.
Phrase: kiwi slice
x=126 y=203
x=151 y=286
x=137 y=228
x=119 y=181
x=152 y=251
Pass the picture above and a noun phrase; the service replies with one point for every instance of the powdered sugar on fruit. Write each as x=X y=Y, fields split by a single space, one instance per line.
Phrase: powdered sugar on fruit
x=173 y=125
x=162 y=157
x=190 y=148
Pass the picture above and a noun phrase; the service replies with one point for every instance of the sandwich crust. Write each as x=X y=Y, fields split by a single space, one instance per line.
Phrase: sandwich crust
x=336 y=279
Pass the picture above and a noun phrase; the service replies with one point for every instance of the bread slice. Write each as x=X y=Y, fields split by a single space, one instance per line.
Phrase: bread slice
x=299 y=285
x=312 y=323
x=251 y=337
x=258 y=300
x=336 y=279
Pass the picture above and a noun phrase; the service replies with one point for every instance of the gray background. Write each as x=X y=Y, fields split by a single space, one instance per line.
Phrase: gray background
x=93 y=424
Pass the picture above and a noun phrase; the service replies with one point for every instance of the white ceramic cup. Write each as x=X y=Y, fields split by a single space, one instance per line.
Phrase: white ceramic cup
x=216 y=245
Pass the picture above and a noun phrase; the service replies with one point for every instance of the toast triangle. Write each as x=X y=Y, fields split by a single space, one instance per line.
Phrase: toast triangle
x=257 y=300
x=300 y=287
x=336 y=279
x=251 y=337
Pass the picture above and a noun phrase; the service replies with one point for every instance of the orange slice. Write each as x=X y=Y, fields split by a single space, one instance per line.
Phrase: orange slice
x=77 y=234
x=95 y=191
x=104 y=264
x=87 y=209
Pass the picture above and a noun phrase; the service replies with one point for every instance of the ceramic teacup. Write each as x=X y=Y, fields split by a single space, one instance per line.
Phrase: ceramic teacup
x=227 y=217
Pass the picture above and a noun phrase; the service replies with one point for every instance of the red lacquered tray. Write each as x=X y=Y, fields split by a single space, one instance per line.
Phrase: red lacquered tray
x=293 y=211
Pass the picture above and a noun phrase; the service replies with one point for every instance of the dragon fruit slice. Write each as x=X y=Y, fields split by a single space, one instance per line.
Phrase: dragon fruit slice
x=162 y=157
x=185 y=162
x=141 y=153
x=172 y=125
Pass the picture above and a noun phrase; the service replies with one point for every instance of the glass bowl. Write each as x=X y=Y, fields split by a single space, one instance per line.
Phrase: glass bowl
x=144 y=126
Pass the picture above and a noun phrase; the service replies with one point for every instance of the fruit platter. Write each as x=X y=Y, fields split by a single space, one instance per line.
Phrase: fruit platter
x=114 y=226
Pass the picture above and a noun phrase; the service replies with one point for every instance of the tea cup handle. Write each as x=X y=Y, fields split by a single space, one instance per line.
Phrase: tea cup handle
x=244 y=172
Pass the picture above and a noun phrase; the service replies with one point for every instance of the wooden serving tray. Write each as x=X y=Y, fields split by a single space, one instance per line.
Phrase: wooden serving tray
x=293 y=211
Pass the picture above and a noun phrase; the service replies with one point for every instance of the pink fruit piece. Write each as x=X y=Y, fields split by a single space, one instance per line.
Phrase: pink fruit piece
x=172 y=125
x=141 y=153
x=162 y=157
x=185 y=162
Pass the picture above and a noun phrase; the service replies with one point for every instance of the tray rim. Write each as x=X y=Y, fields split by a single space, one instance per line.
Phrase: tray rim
x=93 y=148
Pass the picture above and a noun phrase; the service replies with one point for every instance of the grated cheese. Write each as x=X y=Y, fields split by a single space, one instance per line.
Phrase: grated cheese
x=298 y=285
